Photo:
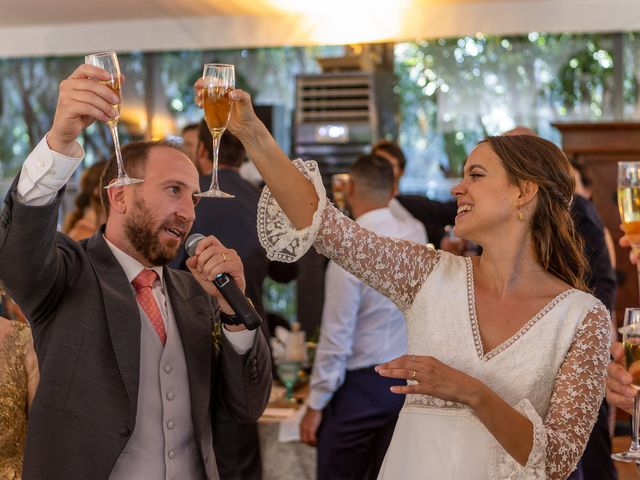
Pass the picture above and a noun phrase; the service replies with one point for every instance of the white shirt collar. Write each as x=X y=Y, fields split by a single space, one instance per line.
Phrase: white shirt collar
x=130 y=265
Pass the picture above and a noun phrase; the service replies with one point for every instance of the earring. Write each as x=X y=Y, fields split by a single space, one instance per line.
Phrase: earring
x=520 y=216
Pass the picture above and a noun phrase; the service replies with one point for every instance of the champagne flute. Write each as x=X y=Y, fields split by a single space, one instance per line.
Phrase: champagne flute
x=109 y=61
x=631 y=344
x=219 y=80
x=629 y=204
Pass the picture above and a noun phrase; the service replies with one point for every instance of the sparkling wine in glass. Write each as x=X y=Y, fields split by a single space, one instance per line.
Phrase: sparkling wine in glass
x=631 y=344
x=109 y=61
x=219 y=80
x=629 y=203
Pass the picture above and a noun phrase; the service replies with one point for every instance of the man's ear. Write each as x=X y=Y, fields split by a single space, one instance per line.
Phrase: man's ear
x=117 y=199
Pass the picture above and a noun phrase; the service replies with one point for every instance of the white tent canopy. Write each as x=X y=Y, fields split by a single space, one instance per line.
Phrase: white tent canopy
x=67 y=27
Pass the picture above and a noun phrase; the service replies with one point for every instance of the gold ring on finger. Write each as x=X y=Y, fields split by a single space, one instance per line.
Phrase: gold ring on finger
x=224 y=257
x=413 y=376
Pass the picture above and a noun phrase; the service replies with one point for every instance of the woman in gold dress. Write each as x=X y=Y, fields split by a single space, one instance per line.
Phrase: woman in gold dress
x=18 y=381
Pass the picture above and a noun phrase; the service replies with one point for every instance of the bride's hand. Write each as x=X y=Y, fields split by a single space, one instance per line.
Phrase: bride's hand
x=243 y=118
x=429 y=376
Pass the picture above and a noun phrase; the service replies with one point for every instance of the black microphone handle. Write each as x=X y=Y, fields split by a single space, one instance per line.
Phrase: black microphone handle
x=237 y=301
x=229 y=290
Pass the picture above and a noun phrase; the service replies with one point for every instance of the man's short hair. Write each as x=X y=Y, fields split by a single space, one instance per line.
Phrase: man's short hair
x=373 y=177
x=134 y=158
x=231 y=153
x=393 y=149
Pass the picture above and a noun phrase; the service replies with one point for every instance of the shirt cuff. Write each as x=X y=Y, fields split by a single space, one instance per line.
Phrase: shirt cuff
x=45 y=172
x=241 y=341
x=318 y=399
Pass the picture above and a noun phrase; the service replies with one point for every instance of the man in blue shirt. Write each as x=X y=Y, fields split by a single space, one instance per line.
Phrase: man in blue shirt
x=351 y=412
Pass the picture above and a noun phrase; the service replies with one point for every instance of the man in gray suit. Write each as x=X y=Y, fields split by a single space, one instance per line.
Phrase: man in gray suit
x=132 y=356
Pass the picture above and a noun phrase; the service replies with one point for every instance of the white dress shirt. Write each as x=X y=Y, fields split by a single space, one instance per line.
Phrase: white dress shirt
x=415 y=228
x=45 y=172
x=360 y=327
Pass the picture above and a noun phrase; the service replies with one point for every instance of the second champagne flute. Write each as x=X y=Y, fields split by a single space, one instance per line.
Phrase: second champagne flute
x=219 y=80
x=631 y=344
x=629 y=204
x=109 y=61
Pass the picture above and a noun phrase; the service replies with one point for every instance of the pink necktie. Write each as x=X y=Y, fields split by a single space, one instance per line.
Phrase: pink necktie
x=143 y=283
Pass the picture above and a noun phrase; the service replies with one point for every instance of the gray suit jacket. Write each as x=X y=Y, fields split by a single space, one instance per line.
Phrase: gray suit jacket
x=86 y=329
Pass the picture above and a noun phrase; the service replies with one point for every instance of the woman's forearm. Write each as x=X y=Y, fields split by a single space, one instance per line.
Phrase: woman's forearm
x=294 y=193
x=510 y=428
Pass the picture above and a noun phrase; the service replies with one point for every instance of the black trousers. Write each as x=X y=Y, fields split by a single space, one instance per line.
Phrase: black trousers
x=357 y=426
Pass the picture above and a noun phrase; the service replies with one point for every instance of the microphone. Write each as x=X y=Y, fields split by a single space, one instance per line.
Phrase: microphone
x=225 y=284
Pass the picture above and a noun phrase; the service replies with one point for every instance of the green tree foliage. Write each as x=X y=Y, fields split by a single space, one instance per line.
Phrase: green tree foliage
x=453 y=92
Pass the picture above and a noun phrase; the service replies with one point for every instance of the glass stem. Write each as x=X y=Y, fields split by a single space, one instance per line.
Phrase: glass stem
x=113 y=126
x=290 y=392
x=217 y=135
x=635 y=417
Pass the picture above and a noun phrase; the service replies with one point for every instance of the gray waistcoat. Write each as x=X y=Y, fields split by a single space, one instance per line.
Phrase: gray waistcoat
x=162 y=445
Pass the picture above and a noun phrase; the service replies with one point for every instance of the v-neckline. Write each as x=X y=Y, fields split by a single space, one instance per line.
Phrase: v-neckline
x=477 y=339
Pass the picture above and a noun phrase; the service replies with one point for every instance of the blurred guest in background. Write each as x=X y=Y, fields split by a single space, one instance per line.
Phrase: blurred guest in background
x=190 y=141
x=583 y=188
x=434 y=215
x=88 y=214
x=392 y=152
x=351 y=413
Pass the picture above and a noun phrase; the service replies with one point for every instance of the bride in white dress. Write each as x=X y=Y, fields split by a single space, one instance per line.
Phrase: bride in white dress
x=507 y=352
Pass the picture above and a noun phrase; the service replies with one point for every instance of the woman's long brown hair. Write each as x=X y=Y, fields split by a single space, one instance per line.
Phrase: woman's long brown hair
x=558 y=246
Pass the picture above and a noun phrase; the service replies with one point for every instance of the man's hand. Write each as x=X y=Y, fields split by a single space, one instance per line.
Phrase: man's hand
x=625 y=242
x=210 y=260
x=620 y=393
x=81 y=100
x=309 y=426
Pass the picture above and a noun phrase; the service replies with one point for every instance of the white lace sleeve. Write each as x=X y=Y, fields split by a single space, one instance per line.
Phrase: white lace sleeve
x=577 y=393
x=276 y=233
x=396 y=268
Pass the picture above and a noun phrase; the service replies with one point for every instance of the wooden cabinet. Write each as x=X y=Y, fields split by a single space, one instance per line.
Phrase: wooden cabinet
x=598 y=147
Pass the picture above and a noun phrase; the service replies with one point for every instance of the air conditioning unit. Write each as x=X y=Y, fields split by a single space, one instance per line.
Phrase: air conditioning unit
x=339 y=115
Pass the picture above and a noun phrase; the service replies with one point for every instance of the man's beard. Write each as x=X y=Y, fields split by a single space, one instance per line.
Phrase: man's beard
x=145 y=239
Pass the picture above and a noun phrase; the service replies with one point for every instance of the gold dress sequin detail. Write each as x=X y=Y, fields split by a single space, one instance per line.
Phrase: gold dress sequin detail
x=13 y=398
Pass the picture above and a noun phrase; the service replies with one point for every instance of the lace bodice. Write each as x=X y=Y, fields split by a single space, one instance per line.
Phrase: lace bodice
x=18 y=377
x=552 y=370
